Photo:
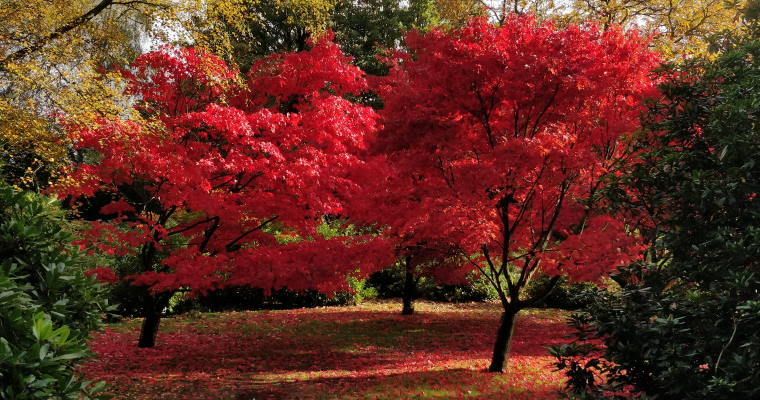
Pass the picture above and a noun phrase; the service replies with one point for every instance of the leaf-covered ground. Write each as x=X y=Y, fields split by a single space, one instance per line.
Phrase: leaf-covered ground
x=364 y=352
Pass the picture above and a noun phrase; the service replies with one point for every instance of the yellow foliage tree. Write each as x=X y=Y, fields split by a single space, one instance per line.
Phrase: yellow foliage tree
x=241 y=31
x=54 y=57
x=681 y=28
x=455 y=13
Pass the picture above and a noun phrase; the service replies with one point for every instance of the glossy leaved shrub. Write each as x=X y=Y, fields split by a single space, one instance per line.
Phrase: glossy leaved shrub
x=686 y=324
x=48 y=305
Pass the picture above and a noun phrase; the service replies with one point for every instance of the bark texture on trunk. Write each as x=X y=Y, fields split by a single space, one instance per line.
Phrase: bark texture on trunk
x=503 y=342
x=154 y=306
x=410 y=289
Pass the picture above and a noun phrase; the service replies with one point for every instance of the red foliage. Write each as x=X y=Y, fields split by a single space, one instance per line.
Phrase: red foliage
x=495 y=145
x=103 y=274
x=496 y=141
x=202 y=186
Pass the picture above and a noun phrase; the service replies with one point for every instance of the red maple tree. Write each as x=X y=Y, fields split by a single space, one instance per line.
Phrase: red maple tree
x=499 y=139
x=220 y=172
x=386 y=199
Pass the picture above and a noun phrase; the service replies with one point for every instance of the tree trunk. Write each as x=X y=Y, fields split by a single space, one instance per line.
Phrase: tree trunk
x=503 y=341
x=154 y=306
x=410 y=287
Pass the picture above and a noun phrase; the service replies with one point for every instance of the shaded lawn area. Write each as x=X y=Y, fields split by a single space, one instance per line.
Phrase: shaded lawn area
x=368 y=351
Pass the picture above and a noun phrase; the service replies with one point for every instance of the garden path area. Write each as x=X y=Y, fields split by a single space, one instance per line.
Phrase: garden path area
x=368 y=351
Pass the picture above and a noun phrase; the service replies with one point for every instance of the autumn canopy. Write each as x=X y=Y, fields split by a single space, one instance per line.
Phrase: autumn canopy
x=253 y=189
x=220 y=173
x=487 y=157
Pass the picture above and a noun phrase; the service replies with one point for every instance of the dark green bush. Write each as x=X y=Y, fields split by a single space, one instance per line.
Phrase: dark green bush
x=686 y=324
x=566 y=295
x=476 y=290
x=665 y=345
x=389 y=283
x=129 y=300
x=247 y=298
x=48 y=305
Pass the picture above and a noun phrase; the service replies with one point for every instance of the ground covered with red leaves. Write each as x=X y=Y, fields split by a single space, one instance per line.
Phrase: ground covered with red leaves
x=365 y=352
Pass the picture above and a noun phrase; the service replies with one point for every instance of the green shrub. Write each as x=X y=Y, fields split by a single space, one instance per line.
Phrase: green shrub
x=566 y=295
x=389 y=283
x=361 y=290
x=477 y=289
x=673 y=344
x=248 y=298
x=48 y=305
x=686 y=322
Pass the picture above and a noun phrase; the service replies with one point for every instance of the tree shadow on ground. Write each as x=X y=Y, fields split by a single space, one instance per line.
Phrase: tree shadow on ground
x=272 y=354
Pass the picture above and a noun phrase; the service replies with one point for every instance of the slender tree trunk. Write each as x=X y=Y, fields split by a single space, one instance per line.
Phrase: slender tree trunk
x=503 y=341
x=154 y=306
x=410 y=288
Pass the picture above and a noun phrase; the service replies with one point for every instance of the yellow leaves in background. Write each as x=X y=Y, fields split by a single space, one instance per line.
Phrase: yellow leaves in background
x=217 y=23
x=681 y=28
x=223 y=26
x=26 y=141
x=456 y=12
x=313 y=13
x=54 y=61
x=688 y=29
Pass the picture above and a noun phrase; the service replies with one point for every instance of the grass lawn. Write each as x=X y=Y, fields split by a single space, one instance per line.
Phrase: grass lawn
x=365 y=352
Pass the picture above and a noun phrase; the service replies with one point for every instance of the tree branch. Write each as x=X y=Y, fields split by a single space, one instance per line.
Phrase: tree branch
x=208 y=234
x=552 y=284
x=60 y=31
x=187 y=228
x=231 y=245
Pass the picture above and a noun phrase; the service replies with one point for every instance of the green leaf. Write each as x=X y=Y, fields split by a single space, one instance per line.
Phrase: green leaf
x=61 y=335
x=723 y=153
x=70 y=356
x=44 y=350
